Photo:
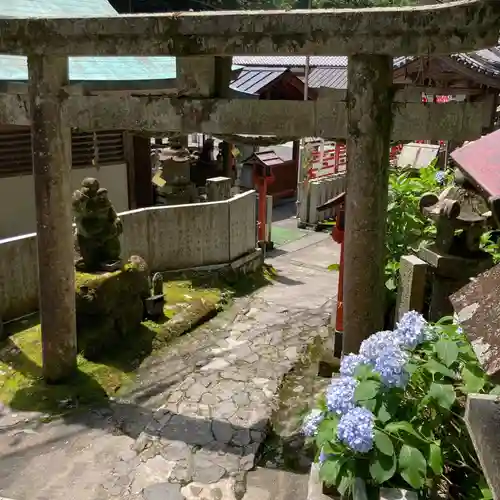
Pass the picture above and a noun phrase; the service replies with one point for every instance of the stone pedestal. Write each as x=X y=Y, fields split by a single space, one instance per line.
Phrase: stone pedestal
x=412 y=281
x=449 y=274
x=218 y=188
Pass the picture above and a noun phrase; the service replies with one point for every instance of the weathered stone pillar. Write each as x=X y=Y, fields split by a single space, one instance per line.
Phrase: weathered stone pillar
x=369 y=97
x=219 y=188
x=51 y=143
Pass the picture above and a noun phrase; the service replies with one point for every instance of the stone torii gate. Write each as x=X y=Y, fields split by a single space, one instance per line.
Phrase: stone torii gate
x=204 y=42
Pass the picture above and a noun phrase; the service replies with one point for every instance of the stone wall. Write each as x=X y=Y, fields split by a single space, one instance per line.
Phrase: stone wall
x=167 y=237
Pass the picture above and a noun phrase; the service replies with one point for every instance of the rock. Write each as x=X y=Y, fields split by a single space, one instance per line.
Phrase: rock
x=223 y=490
x=163 y=491
x=153 y=471
x=109 y=307
x=206 y=471
x=195 y=313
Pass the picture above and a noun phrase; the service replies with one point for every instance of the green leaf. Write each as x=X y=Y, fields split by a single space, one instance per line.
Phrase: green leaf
x=390 y=284
x=382 y=468
x=383 y=414
x=363 y=372
x=445 y=320
x=327 y=431
x=435 y=459
x=414 y=478
x=412 y=458
x=495 y=391
x=447 y=351
x=411 y=368
x=413 y=466
x=434 y=367
x=395 y=427
x=474 y=380
x=334 y=267
x=383 y=443
x=330 y=469
x=366 y=389
x=444 y=394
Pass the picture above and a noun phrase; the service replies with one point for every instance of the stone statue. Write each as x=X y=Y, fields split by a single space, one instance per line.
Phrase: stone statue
x=461 y=215
x=98 y=228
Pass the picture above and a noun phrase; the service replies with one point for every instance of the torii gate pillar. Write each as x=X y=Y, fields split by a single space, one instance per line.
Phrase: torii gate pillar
x=369 y=102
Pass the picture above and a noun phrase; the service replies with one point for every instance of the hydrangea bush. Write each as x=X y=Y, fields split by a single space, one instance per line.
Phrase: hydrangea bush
x=394 y=414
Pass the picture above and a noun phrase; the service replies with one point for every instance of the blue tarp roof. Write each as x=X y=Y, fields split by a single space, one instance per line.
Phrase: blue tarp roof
x=15 y=68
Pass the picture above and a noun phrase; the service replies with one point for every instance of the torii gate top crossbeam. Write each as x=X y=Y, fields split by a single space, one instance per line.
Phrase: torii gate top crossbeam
x=459 y=26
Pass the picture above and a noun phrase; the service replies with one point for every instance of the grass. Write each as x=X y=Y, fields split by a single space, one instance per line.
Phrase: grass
x=23 y=388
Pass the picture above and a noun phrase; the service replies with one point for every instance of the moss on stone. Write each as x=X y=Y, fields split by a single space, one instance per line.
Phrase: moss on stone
x=109 y=308
x=21 y=383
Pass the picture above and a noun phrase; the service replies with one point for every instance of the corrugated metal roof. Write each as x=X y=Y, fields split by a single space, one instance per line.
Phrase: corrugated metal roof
x=290 y=61
x=331 y=78
x=251 y=80
x=15 y=68
x=298 y=61
x=56 y=8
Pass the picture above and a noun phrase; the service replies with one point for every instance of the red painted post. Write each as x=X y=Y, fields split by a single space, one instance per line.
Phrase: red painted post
x=262 y=177
x=338 y=237
x=262 y=208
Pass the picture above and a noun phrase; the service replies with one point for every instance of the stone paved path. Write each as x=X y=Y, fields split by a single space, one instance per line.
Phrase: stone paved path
x=192 y=427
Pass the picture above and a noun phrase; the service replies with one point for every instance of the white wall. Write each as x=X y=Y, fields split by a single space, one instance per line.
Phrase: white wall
x=167 y=237
x=17 y=197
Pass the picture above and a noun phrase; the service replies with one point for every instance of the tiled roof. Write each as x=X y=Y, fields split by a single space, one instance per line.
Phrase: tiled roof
x=485 y=61
x=251 y=80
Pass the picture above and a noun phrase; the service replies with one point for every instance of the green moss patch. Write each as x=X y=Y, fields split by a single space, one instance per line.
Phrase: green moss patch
x=21 y=383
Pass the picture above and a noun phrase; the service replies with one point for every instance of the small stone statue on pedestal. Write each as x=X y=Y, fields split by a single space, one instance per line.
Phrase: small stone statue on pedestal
x=461 y=216
x=98 y=228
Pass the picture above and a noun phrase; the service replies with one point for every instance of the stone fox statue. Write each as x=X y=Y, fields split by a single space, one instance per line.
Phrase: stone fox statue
x=98 y=227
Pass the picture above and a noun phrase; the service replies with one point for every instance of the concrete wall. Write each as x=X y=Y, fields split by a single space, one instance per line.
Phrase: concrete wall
x=168 y=238
x=17 y=215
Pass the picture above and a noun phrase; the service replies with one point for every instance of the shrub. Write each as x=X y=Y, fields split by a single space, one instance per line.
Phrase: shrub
x=407 y=228
x=394 y=416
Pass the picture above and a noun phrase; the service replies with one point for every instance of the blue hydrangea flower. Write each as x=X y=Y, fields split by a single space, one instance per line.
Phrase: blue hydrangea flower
x=311 y=422
x=340 y=395
x=390 y=365
x=356 y=429
x=322 y=456
x=375 y=344
x=410 y=330
x=440 y=177
x=350 y=363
